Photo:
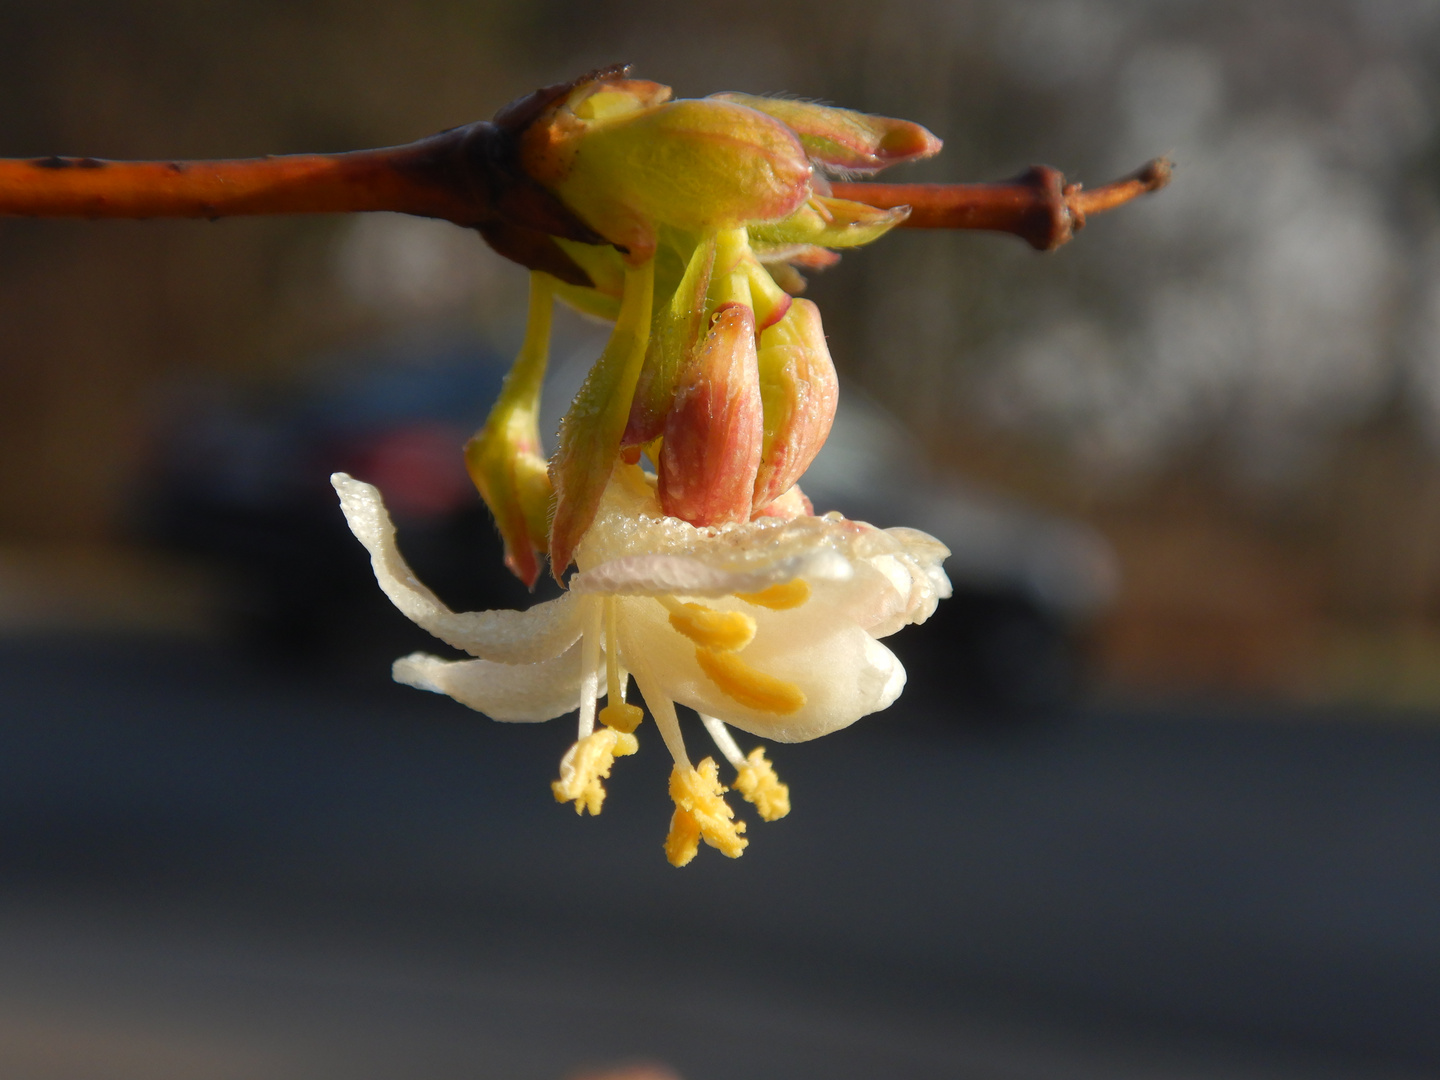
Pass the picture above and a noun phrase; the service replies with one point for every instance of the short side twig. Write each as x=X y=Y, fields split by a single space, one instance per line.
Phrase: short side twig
x=1037 y=205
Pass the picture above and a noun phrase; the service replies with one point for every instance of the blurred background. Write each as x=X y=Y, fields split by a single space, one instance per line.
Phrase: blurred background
x=1162 y=798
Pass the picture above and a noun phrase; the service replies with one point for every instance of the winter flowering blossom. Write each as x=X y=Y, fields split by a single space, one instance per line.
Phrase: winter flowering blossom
x=770 y=626
x=710 y=580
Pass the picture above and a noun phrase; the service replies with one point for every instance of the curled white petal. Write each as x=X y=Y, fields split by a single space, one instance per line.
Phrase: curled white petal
x=669 y=575
x=520 y=693
x=511 y=637
x=880 y=579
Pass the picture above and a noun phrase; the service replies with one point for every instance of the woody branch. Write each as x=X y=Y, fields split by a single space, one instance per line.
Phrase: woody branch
x=447 y=176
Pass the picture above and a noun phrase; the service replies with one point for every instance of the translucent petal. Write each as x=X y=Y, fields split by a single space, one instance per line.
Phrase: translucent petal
x=510 y=637
x=523 y=693
x=664 y=575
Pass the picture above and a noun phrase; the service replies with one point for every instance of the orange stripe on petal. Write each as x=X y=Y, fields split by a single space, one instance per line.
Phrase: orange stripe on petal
x=751 y=688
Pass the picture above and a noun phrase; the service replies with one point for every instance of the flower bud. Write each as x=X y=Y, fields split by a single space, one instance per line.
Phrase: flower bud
x=800 y=392
x=714 y=431
x=591 y=432
x=514 y=481
x=843 y=139
x=677 y=334
x=504 y=458
x=627 y=161
x=790 y=504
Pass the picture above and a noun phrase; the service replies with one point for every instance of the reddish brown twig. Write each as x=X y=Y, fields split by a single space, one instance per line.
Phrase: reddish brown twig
x=467 y=175
x=389 y=179
x=1037 y=205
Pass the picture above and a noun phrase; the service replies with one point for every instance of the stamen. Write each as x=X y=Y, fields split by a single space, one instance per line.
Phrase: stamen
x=701 y=813
x=622 y=716
x=590 y=667
x=724 y=741
x=748 y=686
x=682 y=843
x=762 y=789
x=616 y=714
x=782 y=597
x=587 y=763
x=663 y=710
x=708 y=628
x=755 y=777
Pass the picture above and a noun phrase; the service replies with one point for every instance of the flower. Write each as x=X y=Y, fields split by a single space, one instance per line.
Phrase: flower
x=711 y=581
x=770 y=626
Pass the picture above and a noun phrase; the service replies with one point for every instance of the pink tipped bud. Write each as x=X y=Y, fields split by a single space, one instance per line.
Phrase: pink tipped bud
x=714 y=431
x=800 y=392
x=843 y=139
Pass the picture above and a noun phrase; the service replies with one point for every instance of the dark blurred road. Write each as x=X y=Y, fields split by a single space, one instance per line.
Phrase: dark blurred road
x=209 y=869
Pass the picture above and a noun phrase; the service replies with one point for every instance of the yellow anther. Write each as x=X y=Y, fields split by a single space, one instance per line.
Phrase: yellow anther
x=683 y=841
x=782 y=597
x=622 y=716
x=749 y=687
x=586 y=764
x=711 y=629
x=756 y=780
x=701 y=813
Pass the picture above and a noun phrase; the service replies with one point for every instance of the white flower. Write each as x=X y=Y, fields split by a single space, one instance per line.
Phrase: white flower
x=770 y=626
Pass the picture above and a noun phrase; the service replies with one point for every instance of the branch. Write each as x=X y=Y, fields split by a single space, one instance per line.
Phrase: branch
x=1037 y=205
x=467 y=175
x=390 y=179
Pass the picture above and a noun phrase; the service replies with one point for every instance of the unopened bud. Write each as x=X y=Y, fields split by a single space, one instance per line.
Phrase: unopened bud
x=512 y=477
x=714 y=432
x=677 y=334
x=627 y=161
x=843 y=139
x=791 y=504
x=800 y=392
x=504 y=458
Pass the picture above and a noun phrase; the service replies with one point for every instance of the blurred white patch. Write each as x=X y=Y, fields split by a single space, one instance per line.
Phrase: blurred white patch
x=1268 y=316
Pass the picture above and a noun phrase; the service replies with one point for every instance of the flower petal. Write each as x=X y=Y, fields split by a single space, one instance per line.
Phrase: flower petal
x=510 y=637
x=843 y=672
x=523 y=693
x=669 y=575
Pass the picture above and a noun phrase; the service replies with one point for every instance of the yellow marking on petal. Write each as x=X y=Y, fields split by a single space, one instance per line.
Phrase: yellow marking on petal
x=711 y=629
x=748 y=686
x=756 y=780
x=622 y=716
x=586 y=764
x=790 y=594
x=701 y=813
